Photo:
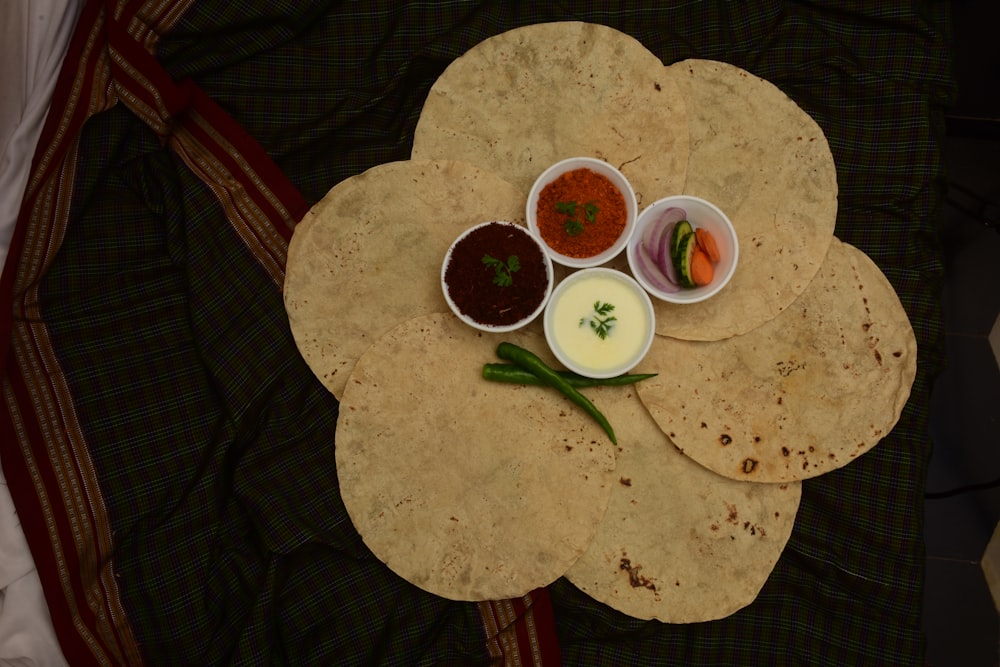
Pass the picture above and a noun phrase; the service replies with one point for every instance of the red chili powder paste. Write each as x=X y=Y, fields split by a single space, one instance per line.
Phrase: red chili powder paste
x=588 y=195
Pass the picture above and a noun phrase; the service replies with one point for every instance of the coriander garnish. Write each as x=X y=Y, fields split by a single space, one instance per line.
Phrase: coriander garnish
x=601 y=322
x=573 y=226
x=502 y=270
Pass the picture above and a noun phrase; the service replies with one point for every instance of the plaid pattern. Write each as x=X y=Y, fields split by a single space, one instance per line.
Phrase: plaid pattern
x=212 y=442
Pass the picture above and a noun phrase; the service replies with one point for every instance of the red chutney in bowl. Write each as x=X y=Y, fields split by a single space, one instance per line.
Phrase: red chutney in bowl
x=581 y=213
x=583 y=210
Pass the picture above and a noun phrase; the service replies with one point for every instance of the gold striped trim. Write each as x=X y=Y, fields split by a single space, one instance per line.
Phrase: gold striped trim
x=63 y=436
x=532 y=628
x=499 y=619
x=250 y=223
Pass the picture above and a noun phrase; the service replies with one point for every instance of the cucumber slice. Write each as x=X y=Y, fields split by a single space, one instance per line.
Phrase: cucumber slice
x=683 y=260
x=681 y=229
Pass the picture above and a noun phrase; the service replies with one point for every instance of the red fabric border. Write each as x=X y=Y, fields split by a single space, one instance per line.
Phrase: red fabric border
x=32 y=520
x=545 y=627
x=520 y=632
x=178 y=96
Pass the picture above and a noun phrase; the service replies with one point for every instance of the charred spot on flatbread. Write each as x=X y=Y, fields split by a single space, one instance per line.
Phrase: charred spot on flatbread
x=635 y=577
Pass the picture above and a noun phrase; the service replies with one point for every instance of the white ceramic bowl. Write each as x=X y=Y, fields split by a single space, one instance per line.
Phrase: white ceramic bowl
x=597 y=166
x=498 y=328
x=571 y=322
x=700 y=213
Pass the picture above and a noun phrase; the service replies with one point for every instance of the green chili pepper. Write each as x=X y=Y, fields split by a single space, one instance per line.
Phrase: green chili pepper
x=530 y=362
x=514 y=374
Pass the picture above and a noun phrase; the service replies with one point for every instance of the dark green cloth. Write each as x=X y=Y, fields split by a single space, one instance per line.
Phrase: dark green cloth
x=214 y=442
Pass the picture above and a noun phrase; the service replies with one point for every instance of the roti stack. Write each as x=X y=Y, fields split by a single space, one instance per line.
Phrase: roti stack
x=475 y=490
x=801 y=395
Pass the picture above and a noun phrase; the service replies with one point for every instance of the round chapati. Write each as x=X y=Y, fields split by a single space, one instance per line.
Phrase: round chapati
x=368 y=255
x=678 y=542
x=523 y=100
x=766 y=163
x=469 y=489
x=802 y=394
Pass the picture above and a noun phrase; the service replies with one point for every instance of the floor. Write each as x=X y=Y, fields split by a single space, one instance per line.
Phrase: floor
x=960 y=617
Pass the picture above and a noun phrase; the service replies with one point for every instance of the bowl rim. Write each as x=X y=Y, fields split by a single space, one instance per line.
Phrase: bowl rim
x=695 y=294
x=647 y=305
x=498 y=328
x=631 y=210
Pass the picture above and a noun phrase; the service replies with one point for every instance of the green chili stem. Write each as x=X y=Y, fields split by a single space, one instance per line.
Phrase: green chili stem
x=531 y=362
x=514 y=374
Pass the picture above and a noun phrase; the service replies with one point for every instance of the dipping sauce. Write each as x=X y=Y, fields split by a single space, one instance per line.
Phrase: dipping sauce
x=496 y=277
x=581 y=213
x=599 y=322
x=583 y=210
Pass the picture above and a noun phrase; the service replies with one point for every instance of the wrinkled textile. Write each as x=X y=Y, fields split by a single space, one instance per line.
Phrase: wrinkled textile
x=170 y=454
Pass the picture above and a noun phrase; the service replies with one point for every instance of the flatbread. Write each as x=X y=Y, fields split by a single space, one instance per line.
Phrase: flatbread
x=766 y=163
x=520 y=101
x=469 y=489
x=368 y=255
x=802 y=394
x=696 y=127
x=678 y=542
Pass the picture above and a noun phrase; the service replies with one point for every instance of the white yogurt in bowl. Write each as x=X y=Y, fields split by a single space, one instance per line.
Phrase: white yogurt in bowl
x=599 y=322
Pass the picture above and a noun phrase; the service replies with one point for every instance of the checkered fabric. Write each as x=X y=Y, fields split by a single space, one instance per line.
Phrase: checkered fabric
x=153 y=322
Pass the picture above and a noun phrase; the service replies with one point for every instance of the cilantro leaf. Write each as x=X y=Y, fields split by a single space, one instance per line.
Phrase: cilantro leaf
x=502 y=271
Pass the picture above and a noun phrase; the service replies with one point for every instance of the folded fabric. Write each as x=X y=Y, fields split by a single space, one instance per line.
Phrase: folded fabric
x=33 y=39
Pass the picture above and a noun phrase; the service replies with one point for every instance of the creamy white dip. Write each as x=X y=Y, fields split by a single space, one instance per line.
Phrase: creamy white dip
x=580 y=314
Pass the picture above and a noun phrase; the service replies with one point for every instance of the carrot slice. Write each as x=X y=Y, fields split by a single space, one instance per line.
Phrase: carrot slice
x=707 y=243
x=701 y=267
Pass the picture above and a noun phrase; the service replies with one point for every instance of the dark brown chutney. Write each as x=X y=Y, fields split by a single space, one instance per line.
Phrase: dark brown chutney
x=470 y=281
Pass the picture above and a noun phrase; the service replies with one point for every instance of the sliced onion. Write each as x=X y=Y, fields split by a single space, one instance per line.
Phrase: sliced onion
x=664 y=260
x=661 y=253
x=656 y=238
x=673 y=214
x=657 y=241
x=651 y=271
x=654 y=230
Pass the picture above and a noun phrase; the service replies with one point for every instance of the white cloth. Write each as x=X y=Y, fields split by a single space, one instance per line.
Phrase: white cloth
x=33 y=39
x=26 y=633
